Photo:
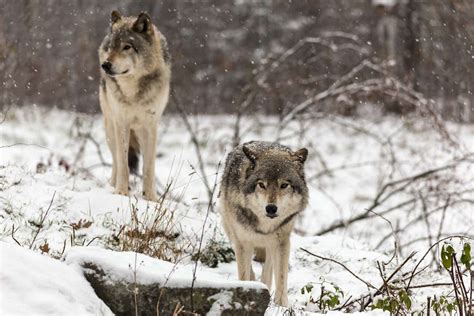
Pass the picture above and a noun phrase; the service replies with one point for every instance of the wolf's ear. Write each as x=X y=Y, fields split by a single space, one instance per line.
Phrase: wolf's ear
x=143 y=23
x=251 y=154
x=114 y=17
x=300 y=155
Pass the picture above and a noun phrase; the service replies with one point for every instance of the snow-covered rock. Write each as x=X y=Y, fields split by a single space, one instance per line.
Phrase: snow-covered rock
x=128 y=280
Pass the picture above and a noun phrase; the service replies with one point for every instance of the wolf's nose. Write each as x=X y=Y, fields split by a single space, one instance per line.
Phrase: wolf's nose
x=271 y=209
x=106 y=66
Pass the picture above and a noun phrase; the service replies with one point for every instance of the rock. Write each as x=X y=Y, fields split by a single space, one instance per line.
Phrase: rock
x=155 y=284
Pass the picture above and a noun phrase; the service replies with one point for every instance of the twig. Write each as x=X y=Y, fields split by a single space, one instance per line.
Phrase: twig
x=471 y=302
x=43 y=218
x=395 y=242
x=25 y=144
x=380 y=290
x=329 y=171
x=460 y=282
x=428 y=306
x=451 y=274
x=424 y=209
x=441 y=223
x=209 y=206
x=418 y=218
x=366 y=215
x=345 y=303
x=381 y=197
x=194 y=140
x=163 y=286
x=427 y=252
x=249 y=95
x=135 y=288
x=385 y=285
x=90 y=242
x=13 y=235
x=420 y=286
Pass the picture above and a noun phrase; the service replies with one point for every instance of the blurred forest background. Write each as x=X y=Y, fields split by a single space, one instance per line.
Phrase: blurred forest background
x=266 y=56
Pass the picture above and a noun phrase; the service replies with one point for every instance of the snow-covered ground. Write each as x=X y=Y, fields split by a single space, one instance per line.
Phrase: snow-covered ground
x=54 y=194
x=34 y=284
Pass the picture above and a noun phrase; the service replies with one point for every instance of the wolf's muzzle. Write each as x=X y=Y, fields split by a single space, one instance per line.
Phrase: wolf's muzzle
x=107 y=66
x=271 y=210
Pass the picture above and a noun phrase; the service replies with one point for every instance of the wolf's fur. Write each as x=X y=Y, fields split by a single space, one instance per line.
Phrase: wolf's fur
x=134 y=91
x=255 y=176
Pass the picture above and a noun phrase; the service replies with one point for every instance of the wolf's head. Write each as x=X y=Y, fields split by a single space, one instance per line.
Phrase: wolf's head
x=275 y=183
x=133 y=45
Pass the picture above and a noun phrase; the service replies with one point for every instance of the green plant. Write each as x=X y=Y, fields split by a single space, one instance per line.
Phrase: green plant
x=396 y=303
x=443 y=305
x=463 y=294
x=329 y=296
x=215 y=252
x=466 y=256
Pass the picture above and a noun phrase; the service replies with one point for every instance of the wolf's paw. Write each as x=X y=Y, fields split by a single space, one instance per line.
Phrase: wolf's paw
x=151 y=196
x=282 y=301
x=121 y=191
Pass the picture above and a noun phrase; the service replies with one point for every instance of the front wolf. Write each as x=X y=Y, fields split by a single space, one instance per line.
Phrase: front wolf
x=263 y=189
x=134 y=91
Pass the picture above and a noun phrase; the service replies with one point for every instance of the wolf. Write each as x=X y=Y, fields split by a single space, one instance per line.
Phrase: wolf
x=263 y=189
x=134 y=90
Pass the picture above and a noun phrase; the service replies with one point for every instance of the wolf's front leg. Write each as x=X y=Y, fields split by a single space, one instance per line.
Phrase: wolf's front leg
x=243 y=255
x=122 y=141
x=267 y=272
x=149 y=152
x=110 y=136
x=281 y=260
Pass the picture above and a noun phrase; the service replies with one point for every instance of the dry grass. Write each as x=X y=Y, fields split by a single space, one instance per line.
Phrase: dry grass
x=153 y=232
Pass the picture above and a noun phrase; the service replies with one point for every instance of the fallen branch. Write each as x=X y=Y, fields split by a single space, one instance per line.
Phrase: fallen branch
x=340 y=264
x=382 y=196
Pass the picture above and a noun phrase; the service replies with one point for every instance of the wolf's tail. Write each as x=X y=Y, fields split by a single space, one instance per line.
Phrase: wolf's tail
x=133 y=152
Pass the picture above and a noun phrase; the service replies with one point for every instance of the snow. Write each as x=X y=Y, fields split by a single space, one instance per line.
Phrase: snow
x=276 y=310
x=222 y=300
x=30 y=175
x=387 y=3
x=133 y=267
x=32 y=284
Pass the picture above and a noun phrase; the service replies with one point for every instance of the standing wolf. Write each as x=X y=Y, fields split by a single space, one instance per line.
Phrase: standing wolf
x=263 y=189
x=134 y=91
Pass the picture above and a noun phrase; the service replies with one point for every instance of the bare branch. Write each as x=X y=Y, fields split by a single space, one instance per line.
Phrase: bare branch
x=195 y=142
x=340 y=264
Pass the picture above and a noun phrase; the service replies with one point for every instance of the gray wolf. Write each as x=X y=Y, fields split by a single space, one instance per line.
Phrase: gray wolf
x=134 y=91
x=263 y=188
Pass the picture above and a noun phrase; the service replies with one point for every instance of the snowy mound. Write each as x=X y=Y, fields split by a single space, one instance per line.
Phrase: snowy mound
x=31 y=283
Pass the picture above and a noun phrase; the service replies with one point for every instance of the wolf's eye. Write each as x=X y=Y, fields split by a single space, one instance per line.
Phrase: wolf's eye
x=284 y=185
x=260 y=184
x=127 y=47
